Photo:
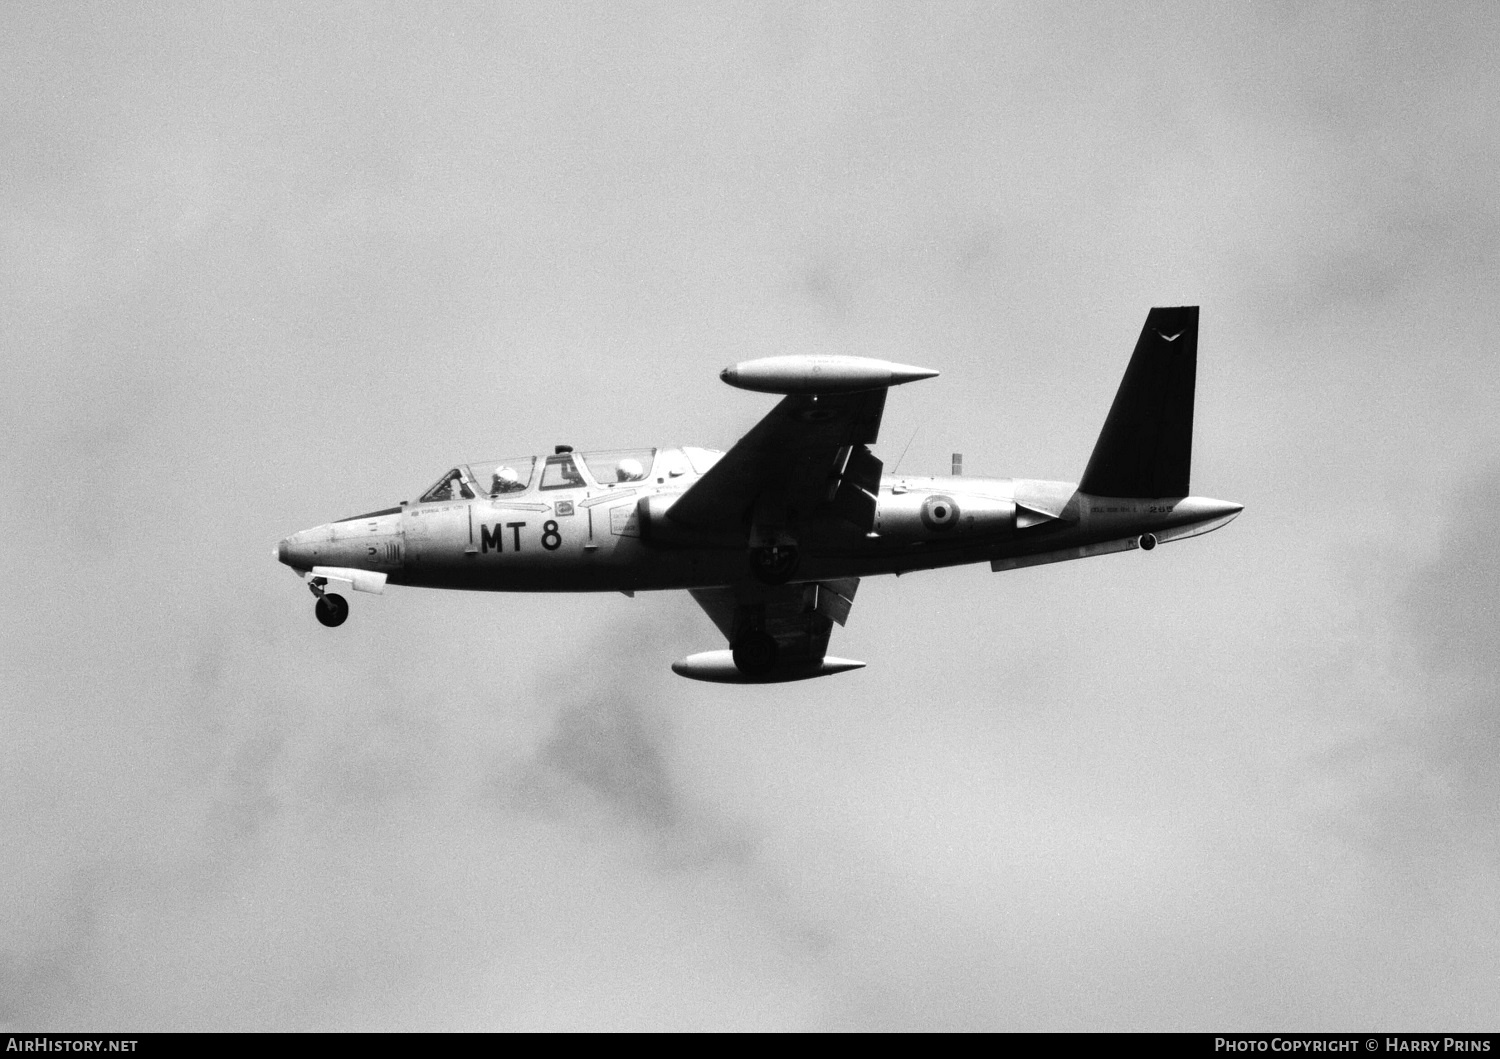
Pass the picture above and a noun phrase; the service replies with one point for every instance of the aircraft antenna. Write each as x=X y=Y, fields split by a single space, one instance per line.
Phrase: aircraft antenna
x=903 y=451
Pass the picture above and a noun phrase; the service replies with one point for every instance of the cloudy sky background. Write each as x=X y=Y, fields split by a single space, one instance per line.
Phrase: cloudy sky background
x=262 y=267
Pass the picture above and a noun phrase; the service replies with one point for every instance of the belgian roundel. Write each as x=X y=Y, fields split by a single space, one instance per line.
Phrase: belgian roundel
x=939 y=513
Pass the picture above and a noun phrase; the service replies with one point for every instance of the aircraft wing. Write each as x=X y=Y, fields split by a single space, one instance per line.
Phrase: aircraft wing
x=809 y=453
x=800 y=616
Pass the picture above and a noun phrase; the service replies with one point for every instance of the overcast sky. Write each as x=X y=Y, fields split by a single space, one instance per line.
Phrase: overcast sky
x=264 y=267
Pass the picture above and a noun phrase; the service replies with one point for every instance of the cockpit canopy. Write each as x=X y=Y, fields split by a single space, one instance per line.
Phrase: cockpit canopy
x=565 y=470
x=620 y=465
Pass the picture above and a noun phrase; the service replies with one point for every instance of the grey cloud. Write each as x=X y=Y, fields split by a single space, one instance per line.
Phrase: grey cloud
x=1450 y=615
x=608 y=759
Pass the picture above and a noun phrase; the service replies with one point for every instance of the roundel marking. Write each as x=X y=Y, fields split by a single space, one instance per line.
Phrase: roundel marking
x=939 y=513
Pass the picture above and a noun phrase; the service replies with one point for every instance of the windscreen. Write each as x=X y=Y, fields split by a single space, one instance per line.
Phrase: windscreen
x=450 y=486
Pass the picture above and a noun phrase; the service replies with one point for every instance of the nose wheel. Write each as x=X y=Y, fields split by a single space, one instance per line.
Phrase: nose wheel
x=331 y=607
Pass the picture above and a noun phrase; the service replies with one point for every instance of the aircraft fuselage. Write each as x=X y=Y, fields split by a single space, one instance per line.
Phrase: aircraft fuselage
x=611 y=538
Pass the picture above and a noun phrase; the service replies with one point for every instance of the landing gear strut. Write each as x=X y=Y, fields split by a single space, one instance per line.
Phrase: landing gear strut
x=331 y=607
x=774 y=565
x=755 y=653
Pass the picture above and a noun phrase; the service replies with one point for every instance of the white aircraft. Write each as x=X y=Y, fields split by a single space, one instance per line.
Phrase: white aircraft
x=772 y=537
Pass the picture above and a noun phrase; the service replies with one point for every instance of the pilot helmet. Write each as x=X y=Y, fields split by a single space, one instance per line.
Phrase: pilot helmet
x=629 y=470
x=507 y=475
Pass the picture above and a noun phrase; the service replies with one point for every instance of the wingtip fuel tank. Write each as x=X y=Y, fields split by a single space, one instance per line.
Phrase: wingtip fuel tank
x=817 y=374
x=718 y=667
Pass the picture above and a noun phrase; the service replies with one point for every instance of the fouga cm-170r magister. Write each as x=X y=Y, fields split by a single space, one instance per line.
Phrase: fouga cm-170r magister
x=772 y=537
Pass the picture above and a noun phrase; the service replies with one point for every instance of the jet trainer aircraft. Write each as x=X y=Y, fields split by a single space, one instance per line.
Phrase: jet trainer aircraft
x=772 y=537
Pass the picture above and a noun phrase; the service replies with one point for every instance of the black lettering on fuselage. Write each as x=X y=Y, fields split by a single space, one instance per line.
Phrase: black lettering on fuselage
x=488 y=539
x=515 y=527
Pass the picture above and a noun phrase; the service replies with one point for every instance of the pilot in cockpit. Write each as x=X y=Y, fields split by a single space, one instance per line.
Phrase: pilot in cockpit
x=629 y=470
x=505 y=480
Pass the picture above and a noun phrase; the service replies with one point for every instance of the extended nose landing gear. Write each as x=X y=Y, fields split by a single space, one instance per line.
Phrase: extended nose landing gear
x=331 y=607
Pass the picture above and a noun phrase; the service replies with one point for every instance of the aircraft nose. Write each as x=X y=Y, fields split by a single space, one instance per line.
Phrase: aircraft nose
x=297 y=551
